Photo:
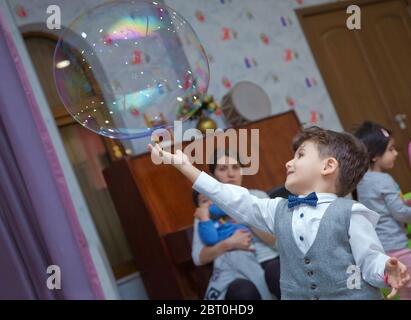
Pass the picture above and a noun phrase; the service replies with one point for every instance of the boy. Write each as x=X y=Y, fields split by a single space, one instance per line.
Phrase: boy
x=322 y=237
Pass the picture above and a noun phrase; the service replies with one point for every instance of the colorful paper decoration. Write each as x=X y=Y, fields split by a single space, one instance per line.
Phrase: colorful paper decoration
x=290 y=102
x=286 y=21
x=310 y=82
x=316 y=117
x=250 y=62
x=289 y=55
x=264 y=38
x=200 y=16
x=226 y=82
x=228 y=34
x=20 y=11
x=313 y=117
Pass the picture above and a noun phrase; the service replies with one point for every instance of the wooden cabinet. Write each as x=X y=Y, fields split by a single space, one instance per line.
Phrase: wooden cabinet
x=154 y=203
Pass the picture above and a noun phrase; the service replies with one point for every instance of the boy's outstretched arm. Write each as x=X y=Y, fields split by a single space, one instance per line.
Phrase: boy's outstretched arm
x=178 y=160
x=378 y=269
x=235 y=200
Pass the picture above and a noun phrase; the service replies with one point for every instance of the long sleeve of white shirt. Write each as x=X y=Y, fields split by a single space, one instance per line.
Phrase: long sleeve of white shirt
x=245 y=208
x=242 y=206
x=366 y=248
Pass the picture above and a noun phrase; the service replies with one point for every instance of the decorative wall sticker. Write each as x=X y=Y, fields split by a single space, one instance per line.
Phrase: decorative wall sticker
x=310 y=82
x=200 y=16
x=286 y=21
x=264 y=38
x=226 y=83
x=290 y=55
x=226 y=34
x=20 y=11
x=250 y=62
x=290 y=102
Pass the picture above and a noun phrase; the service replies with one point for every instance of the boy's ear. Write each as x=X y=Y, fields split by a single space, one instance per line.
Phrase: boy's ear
x=330 y=165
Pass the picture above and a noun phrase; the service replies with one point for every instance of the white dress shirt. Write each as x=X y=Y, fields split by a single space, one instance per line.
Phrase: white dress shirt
x=366 y=248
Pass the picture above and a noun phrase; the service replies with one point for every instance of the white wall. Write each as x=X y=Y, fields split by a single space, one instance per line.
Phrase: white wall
x=284 y=81
x=294 y=84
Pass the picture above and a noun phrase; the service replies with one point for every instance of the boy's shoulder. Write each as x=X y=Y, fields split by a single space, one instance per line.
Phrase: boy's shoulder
x=258 y=193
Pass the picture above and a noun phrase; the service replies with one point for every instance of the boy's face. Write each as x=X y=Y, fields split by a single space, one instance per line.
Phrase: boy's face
x=304 y=171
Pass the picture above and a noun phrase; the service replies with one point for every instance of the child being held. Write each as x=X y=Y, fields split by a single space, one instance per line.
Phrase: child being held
x=216 y=226
x=379 y=192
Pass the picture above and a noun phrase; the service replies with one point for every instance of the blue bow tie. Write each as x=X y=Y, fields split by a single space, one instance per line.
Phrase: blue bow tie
x=311 y=200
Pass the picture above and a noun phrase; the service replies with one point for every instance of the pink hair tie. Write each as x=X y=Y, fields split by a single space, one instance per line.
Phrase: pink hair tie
x=385 y=133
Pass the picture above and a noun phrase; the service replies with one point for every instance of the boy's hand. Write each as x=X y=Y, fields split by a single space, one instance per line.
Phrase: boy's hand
x=396 y=275
x=202 y=213
x=178 y=160
x=159 y=155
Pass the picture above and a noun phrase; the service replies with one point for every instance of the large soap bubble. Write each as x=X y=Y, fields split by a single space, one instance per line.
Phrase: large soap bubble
x=123 y=67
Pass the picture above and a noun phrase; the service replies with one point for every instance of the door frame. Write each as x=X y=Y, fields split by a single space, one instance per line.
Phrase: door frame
x=303 y=13
x=60 y=114
x=322 y=9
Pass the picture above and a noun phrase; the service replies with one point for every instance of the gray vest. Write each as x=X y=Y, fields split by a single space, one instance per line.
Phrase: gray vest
x=321 y=273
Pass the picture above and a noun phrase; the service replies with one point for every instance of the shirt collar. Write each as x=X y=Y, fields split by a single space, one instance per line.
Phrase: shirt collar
x=323 y=197
x=326 y=197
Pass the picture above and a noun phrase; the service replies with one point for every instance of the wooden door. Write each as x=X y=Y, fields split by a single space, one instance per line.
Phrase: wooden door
x=368 y=71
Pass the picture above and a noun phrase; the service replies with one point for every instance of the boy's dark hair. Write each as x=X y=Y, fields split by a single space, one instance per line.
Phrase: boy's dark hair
x=350 y=153
x=375 y=138
x=217 y=154
x=196 y=195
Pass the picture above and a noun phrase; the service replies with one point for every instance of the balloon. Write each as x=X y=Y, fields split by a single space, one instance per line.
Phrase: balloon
x=123 y=67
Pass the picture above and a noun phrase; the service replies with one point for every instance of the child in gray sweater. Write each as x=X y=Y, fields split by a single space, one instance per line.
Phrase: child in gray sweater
x=379 y=192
